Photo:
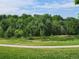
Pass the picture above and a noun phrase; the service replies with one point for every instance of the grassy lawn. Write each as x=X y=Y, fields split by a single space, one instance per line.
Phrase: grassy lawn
x=21 y=53
x=54 y=41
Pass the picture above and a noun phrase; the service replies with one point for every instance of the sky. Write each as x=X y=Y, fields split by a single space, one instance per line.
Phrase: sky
x=65 y=8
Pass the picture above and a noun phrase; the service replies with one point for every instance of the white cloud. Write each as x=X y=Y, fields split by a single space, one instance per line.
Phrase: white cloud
x=58 y=5
x=13 y=6
x=15 y=3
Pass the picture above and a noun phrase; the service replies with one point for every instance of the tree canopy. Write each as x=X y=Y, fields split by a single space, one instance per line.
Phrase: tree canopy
x=76 y=1
x=37 y=25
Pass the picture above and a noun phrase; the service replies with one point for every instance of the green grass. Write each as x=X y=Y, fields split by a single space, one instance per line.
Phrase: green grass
x=21 y=53
x=38 y=42
x=43 y=41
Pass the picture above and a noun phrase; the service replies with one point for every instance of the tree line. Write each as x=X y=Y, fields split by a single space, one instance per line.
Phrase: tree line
x=37 y=25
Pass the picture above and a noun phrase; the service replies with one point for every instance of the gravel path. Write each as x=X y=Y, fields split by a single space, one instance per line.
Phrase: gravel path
x=21 y=46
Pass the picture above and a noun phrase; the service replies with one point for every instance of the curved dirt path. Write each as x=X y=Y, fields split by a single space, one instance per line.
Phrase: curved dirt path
x=21 y=46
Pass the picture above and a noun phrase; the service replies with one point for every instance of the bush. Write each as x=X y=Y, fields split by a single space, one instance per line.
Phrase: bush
x=54 y=38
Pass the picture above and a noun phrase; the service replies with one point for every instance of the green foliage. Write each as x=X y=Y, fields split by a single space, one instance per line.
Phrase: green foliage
x=76 y=1
x=70 y=25
x=9 y=32
x=18 y=33
x=1 y=32
x=37 y=25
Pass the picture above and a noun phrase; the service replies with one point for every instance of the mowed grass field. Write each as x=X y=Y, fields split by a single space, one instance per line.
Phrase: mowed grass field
x=21 y=53
x=44 y=41
x=40 y=43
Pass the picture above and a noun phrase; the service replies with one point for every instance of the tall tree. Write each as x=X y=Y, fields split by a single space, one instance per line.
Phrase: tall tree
x=76 y=1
